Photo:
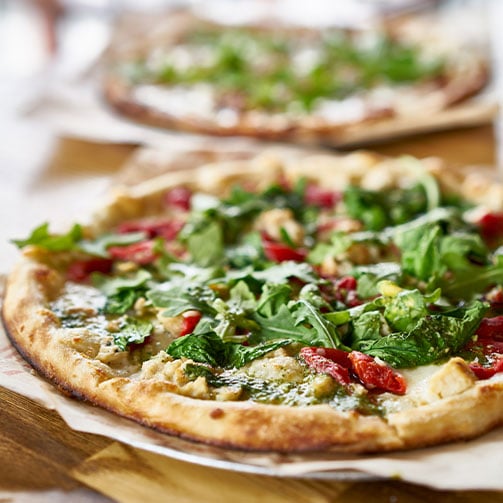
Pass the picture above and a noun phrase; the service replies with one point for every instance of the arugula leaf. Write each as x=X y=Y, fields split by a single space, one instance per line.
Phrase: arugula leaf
x=365 y=206
x=211 y=349
x=326 y=334
x=99 y=246
x=122 y=291
x=300 y=320
x=420 y=251
x=235 y=313
x=370 y=275
x=275 y=274
x=282 y=272
x=283 y=324
x=178 y=298
x=433 y=338
x=41 y=237
x=248 y=253
x=473 y=279
x=206 y=246
x=132 y=331
x=192 y=273
x=272 y=298
x=339 y=243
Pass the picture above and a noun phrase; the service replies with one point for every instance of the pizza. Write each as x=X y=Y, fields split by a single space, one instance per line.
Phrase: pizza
x=287 y=303
x=281 y=82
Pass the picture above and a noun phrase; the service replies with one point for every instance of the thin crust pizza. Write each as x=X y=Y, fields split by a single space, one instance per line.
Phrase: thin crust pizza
x=278 y=82
x=282 y=303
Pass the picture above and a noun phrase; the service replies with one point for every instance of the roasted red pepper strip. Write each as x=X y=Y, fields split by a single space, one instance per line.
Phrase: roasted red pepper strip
x=179 y=197
x=279 y=252
x=80 y=270
x=168 y=229
x=141 y=253
x=190 y=320
x=374 y=375
x=317 y=196
x=322 y=360
x=491 y=225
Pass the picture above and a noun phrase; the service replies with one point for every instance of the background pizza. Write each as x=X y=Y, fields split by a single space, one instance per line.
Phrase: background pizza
x=275 y=81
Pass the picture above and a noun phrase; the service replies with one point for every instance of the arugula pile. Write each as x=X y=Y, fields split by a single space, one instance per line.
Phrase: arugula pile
x=341 y=66
x=418 y=305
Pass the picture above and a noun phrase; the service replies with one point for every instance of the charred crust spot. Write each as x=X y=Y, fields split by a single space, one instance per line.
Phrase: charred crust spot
x=216 y=413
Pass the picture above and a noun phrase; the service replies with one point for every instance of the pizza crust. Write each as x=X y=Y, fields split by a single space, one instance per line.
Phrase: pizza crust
x=360 y=118
x=35 y=330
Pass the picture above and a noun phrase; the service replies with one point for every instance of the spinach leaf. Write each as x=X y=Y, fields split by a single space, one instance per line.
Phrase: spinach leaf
x=41 y=237
x=339 y=243
x=405 y=309
x=211 y=349
x=433 y=338
x=132 y=330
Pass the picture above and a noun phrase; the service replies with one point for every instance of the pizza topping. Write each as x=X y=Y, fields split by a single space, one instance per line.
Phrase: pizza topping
x=341 y=365
x=330 y=67
x=279 y=252
x=179 y=198
x=453 y=378
x=488 y=370
x=376 y=375
x=142 y=253
x=167 y=229
x=252 y=310
x=80 y=270
x=190 y=320
x=319 y=197
x=491 y=226
x=41 y=237
x=325 y=361
x=132 y=331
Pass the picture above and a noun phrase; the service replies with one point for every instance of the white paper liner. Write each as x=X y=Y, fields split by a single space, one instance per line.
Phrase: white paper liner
x=464 y=465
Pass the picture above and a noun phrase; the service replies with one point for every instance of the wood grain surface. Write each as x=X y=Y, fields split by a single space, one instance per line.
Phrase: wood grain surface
x=42 y=459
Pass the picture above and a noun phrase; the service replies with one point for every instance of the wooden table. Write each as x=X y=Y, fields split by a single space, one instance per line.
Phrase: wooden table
x=43 y=459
